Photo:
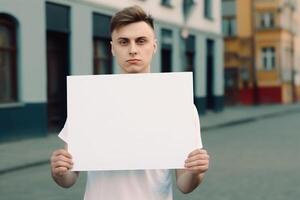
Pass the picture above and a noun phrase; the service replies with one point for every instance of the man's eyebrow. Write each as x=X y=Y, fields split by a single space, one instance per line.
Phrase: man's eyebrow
x=142 y=37
x=122 y=38
x=137 y=38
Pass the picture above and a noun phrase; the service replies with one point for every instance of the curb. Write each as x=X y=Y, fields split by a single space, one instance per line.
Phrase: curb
x=25 y=166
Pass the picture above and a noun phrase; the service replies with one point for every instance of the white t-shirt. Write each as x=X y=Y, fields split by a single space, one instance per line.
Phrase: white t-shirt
x=130 y=184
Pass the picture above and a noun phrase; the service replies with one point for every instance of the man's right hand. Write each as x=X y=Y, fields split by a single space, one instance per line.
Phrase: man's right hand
x=61 y=162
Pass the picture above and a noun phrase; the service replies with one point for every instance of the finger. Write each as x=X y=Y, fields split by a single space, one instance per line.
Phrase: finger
x=199 y=169
x=62 y=164
x=62 y=152
x=197 y=151
x=60 y=171
x=62 y=158
x=197 y=157
x=196 y=163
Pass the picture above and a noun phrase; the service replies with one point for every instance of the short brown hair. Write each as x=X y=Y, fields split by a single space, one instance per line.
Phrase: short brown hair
x=130 y=15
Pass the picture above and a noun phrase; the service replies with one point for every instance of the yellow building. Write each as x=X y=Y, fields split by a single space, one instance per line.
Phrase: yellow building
x=261 y=51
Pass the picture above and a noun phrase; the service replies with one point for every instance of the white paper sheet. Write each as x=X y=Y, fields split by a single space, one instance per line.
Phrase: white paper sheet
x=131 y=121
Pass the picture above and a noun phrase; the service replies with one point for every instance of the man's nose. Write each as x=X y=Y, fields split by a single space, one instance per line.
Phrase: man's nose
x=132 y=49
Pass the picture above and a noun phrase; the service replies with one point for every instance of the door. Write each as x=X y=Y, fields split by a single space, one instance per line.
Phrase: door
x=209 y=73
x=57 y=68
x=231 y=86
x=166 y=60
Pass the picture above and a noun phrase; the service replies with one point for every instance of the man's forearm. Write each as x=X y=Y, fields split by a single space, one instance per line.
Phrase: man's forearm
x=187 y=181
x=66 y=180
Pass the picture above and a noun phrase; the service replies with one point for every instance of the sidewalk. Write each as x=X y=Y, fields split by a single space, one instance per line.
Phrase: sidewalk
x=243 y=114
x=36 y=151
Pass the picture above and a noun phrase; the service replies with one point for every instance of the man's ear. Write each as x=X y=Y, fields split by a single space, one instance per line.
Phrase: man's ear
x=155 y=46
x=112 y=48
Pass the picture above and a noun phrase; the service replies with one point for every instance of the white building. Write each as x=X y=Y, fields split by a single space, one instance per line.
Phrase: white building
x=43 y=41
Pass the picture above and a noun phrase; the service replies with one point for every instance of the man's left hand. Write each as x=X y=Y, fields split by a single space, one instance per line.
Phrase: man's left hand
x=197 y=161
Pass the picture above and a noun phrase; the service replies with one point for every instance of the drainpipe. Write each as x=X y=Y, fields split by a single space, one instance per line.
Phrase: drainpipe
x=293 y=70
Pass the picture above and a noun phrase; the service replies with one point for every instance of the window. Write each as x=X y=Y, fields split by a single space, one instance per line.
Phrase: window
x=167 y=3
x=58 y=18
x=267 y=20
x=8 y=52
x=102 y=56
x=208 y=9
x=268 y=58
x=229 y=26
x=187 y=7
x=102 y=50
x=166 y=37
x=229 y=8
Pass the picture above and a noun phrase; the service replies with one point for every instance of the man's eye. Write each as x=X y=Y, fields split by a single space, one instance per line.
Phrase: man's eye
x=123 y=42
x=141 y=41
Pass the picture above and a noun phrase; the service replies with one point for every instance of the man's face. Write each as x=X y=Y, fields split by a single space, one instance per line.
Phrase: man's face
x=134 y=45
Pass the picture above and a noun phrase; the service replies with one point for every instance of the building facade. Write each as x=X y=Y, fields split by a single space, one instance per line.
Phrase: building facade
x=261 y=51
x=41 y=42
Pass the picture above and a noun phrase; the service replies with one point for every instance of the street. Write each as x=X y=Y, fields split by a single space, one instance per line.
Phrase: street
x=249 y=161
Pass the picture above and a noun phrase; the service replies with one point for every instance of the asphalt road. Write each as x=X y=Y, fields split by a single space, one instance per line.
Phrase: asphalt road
x=258 y=160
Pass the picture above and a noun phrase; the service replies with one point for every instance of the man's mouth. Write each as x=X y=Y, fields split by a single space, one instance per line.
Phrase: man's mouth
x=133 y=61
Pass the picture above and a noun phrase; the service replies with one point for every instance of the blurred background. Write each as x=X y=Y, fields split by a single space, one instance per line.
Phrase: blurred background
x=245 y=59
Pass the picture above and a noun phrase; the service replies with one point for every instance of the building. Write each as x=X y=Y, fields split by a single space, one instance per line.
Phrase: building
x=261 y=51
x=41 y=42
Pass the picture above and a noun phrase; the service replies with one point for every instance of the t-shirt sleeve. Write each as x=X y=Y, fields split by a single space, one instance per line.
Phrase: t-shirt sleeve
x=197 y=128
x=64 y=133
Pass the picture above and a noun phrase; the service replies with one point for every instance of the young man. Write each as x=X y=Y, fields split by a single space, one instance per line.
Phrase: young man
x=133 y=44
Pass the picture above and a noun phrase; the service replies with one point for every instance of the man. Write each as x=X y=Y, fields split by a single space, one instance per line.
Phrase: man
x=133 y=44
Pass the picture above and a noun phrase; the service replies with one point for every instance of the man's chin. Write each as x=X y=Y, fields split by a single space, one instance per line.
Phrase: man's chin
x=135 y=69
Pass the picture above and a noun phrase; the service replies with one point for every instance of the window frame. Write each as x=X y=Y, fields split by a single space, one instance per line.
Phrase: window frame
x=267 y=20
x=166 y=3
x=98 y=59
x=9 y=22
x=230 y=30
x=208 y=9
x=268 y=58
